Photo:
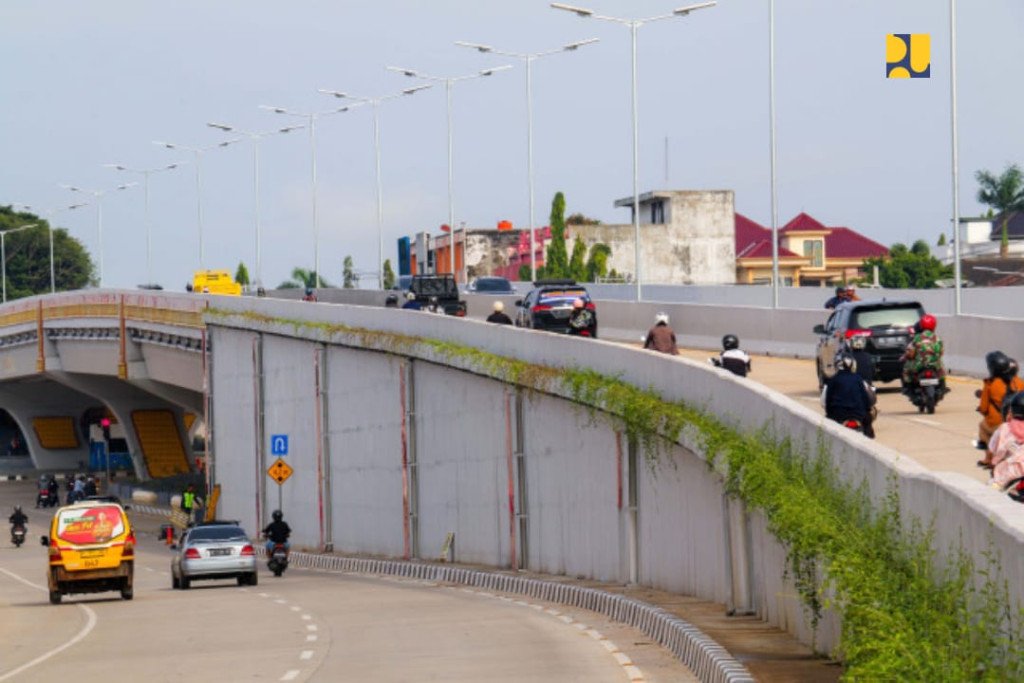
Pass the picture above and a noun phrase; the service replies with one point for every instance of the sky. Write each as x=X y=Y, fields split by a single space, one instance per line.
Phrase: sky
x=96 y=82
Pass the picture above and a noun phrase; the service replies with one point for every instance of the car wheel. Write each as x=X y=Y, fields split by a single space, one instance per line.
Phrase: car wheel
x=175 y=584
x=821 y=375
x=254 y=579
x=126 y=591
x=185 y=583
x=54 y=597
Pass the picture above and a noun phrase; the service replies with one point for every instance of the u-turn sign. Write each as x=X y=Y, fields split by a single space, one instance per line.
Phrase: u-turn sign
x=279 y=444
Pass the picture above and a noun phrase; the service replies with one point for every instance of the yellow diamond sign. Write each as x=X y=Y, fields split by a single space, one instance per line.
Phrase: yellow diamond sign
x=280 y=471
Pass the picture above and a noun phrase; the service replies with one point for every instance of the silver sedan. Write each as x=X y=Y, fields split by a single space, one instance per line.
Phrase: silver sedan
x=215 y=550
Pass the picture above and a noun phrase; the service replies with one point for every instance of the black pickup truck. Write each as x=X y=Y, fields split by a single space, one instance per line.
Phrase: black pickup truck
x=443 y=287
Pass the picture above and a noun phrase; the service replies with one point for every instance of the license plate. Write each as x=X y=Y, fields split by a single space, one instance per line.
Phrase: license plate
x=928 y=382
x=560 y=313
x=216 y=552
x=888 y=342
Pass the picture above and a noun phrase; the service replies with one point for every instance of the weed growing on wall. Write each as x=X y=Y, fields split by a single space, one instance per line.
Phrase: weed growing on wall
x=906 y=613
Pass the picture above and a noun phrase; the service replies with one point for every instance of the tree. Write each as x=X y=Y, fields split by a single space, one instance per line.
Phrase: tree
x=28 y=257
x=556 y=263
x=942 y=240
x=1003 y=193
x=389 y=275
x=580 y=219
x=913 y=268
x=348 y=274
x=242 y=275
x=303 y=279
x=577 y=264
x=597 y=264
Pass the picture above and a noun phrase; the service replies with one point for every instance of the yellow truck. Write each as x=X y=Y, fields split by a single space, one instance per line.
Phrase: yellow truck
x=215 y=282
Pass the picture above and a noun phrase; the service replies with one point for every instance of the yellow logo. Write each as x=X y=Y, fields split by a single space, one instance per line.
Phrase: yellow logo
x=908 y=55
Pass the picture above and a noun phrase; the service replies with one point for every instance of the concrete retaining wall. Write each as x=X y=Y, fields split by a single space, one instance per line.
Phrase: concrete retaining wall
x=448 y=460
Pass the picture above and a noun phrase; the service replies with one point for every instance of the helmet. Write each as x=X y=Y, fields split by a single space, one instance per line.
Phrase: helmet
x=309 y=290
x=840 y=289
x=17 y=509
x=276 y=514
x=578 y=303
x=730 y=341
x=433 y=300
x=928 y=322
x=661 y=319
x=858 y=342
x=410 y=295
x=998 y=363
x=1014 y=405
x=498 y=307
x=845 y=361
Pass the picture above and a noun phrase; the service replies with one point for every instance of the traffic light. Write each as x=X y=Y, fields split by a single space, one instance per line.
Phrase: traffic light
x=105 y=426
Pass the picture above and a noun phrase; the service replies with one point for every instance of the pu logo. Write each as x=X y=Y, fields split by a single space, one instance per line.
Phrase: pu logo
x=908 y=55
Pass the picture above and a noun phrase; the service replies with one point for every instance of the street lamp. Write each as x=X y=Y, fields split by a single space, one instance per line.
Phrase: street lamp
x=528 y=58
x=311 y=117
x=633 y=25
x=3 y=252
x=955 y=164
x=772 y=157
x=255 y=137
x=145 y=173
x=198 y=152
x=375 y=103
x=98 y=196
x=449 y=83
x=50 y=213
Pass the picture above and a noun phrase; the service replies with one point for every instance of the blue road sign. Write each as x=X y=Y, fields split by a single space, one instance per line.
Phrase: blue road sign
x=279 y=444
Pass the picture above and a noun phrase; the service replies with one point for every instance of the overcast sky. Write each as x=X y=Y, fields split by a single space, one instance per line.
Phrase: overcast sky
x=89 y=82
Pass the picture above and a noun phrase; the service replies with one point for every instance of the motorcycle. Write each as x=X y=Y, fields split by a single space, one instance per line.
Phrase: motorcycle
x=854 y=424
x=18 y=534
x=925 y=390
x=278 y=560
x=46 y=498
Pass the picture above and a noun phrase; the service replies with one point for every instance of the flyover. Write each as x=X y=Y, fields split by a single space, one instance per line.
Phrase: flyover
x=410 y=433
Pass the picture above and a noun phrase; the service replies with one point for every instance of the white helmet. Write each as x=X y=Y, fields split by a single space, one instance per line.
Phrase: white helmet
x=661 y=318
x=498 y=307
x=410 y=295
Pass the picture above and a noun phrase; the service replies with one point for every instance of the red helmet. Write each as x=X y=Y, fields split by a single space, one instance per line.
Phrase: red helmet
x=928 y=322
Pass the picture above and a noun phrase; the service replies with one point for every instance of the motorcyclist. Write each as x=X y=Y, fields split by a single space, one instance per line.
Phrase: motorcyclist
x=661 y=337
x=411 y=304
x=17 y=519
x=847 y=397
x=499 y=316
x=277 y=532
x=582 y=321
x=310 y=295
x=923 y=352
x=433 y=306
x=1002 y=381
x=53 y=488
x=733 y=358
x=839 y=298
x=391 y=301
x=865 y=363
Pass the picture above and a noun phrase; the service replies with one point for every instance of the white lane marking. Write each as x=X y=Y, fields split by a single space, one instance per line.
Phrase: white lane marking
x=596 y=635
x=89 y=625
x=306 y=654
x=582 y=627
x=621 y=658
x=281 y=602
x=306 y=617
x=311 y=638
x=925 y=421
x=610 y=646
x=149 y=569
x=264 y=595
x=566 y=619
x=290 y=675
x=311 y=627
x=296 y=609
x=634 y=673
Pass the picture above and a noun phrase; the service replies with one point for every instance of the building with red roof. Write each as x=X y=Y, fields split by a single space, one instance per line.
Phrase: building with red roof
x=810 y=252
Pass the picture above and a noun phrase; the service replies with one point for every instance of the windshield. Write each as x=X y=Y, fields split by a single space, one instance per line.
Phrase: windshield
x=557 y=297
x=434 y=286
x=216 y=533
x=493 y=284
x=866 y=319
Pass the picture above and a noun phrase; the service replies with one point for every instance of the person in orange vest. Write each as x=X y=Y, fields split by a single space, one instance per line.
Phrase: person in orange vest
x=1001 y=382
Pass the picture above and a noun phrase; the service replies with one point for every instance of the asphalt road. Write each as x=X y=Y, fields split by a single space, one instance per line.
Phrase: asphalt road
x=306 y=626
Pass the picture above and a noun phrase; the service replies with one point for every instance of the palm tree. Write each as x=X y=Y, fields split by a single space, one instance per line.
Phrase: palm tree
x=303 y=279
x=1005 y=194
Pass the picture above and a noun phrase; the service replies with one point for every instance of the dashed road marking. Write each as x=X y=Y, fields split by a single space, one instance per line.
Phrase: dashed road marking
x=296 y=608
x=290 y=675
x=306 y=617
x=311 y=627
x=281 y=602
x=311 y=638
x=306 y=654
x=621 y=658
x=264 y=595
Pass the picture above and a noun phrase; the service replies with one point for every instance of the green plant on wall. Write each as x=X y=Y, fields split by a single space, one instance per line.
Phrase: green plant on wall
x=904 y=617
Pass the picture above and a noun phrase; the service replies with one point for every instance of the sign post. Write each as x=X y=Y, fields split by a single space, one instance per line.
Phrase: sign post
x=279 y=472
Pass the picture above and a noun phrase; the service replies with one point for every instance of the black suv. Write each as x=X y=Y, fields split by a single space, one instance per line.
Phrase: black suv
x=887 y=326
x=442 y=287
x=549 y=303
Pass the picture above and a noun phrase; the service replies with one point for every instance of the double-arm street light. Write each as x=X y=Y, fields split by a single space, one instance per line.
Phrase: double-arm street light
x=145 y=173
x=634 y=25
x=449 y=83
x=98 y=196
x=198 y=153
x=528 y=58
x=255 y=137
x=311 y=118
x=3 y=252
x=50 y=213
x=375 y=103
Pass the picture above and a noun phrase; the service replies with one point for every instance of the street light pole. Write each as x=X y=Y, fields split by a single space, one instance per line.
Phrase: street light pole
x=50 y=213
x=255 y=138
x=198 y=154
x=528 y=58
x=3 y=253
x=771 y=144
x=98 y=196
x=634 y=25
x=145 y=173
x=957 y=276
x=375 y=104
x=311 y=118
x=449 y=84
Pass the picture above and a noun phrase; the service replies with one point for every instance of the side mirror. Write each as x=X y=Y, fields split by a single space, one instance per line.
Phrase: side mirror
x=44 y=540
x=819 y=329
x=519 y=303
